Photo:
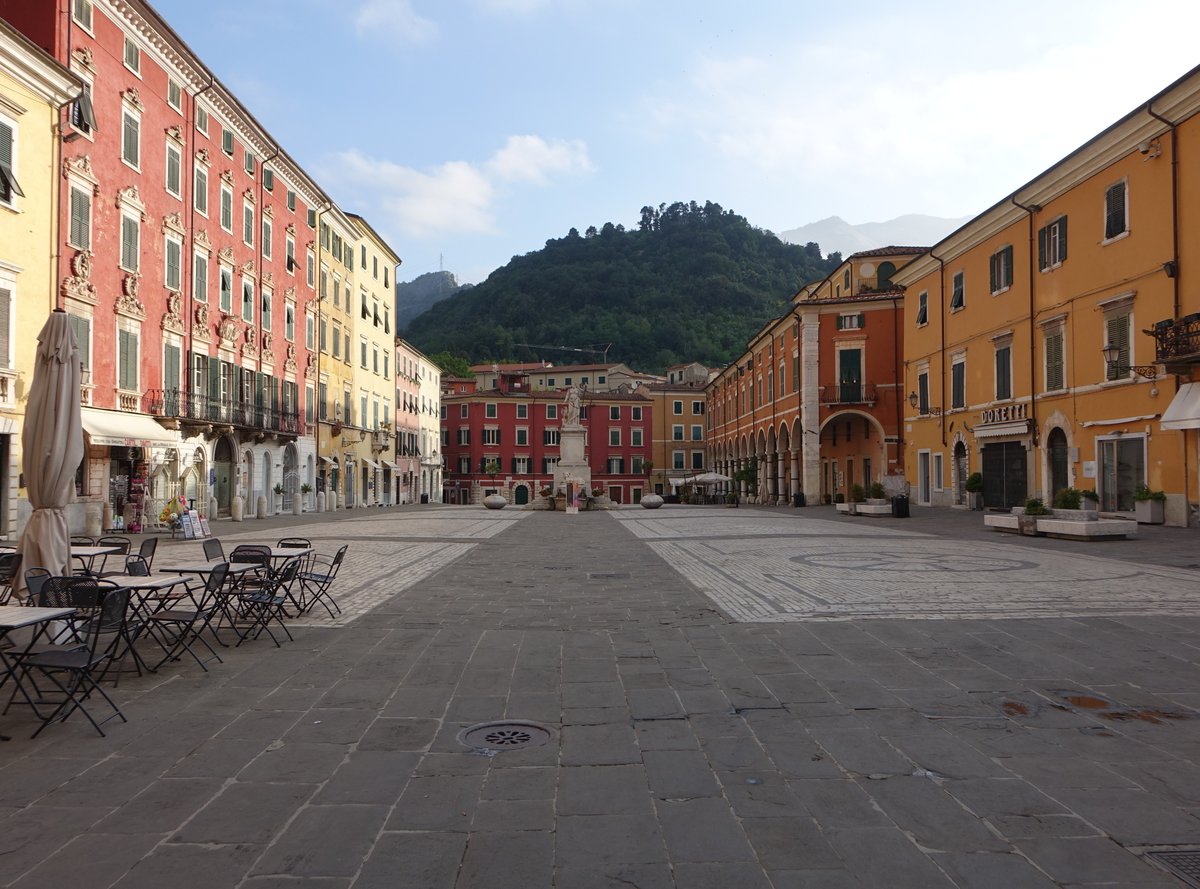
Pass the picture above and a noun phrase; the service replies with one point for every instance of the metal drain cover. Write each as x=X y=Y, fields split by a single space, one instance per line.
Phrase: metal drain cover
x=1184 y=864
x=508 y=734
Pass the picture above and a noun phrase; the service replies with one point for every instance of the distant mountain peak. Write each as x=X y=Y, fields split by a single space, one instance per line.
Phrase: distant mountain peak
x=422 y=293
x=835 y=234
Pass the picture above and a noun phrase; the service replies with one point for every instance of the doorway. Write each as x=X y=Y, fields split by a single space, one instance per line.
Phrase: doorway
x=1122 y=471
x=1056 y=446
x=223 y=475
x=960 y=473
x=1005 y=475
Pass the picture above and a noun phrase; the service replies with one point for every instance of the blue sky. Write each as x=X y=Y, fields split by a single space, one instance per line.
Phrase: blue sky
x=470 y=131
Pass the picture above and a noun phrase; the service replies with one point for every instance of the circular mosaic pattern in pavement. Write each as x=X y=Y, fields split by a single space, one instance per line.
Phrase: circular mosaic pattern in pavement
x=914 y=562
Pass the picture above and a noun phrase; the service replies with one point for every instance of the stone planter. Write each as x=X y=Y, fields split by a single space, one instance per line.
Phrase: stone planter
x=651 y=501
x=495 y=501
x=1027 y=525
x=975 y=500
x=847 y=508
x=1149 y=512
x=1089 y=505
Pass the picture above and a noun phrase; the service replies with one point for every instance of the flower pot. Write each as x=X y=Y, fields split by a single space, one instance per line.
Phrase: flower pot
x=1149 y=512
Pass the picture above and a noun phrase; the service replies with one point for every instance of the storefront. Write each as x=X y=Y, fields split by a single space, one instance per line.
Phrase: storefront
x=125 y=449
x=1005 y=442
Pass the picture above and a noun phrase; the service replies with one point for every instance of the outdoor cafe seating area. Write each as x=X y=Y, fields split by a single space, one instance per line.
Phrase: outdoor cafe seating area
x=66 y=640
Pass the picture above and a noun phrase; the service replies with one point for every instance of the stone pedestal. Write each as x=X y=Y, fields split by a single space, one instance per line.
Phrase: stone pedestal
x=572 y=465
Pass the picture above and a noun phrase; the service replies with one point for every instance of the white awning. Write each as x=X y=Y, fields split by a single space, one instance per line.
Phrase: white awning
x=1184 y=410
x=332 y=461
x=371 y=463
x=125 y=430
x=998 y=430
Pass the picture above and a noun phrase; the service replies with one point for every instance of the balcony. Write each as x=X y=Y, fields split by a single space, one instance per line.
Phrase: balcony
x=1177 y=342
x=848 y=393
x=189 y=407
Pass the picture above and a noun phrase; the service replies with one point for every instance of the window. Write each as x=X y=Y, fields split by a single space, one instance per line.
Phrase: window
x=491 y=436
x=248 y=163
x=1052 y=244
x=346 y=343
x=362 y=350
x=550 y=437
x=310 y=265
x=363 y=255
x=616 y=465
x=248 y=223
x=1116 y=211
x=1004 y=372
x=289 y=254
x=83 y=114
x=850 y=321
x=614 y=412
x=129 y=243
x=698 y=406
x=227 y=141
x=1055 y=365
x=265 y=317
x=200 y=277
x=635 y=437
x=614 y=438
x=958 y=384
x=174 y=169
x=127 y=360
x=637 y=412
x=923 y=392
x=130 y=138
x=1001 y=269
x=520 y=466
x=677 y=432
x=522 y=411
x=958 y=294
x=677 y=407
x=522 y=436
x=268 y=179
x=324 y=335
x=174 y=94
x=266 y=238
x=386 y=366
x=201 y=191
x=552 y=412
x=83 y=338
x=1117 y=328
x=337 y=341
x=226 y=276
x=247 y=300
x=677 y=460
x=81 y=11
x=202 y=120
x=291 y=200
x=697 y=432
x=489 y=410
x=697 y=459
x=174 y=263
x=80 y=234
x=133 y=56
x=463 y=410
x=310 y=326
x=226 y=208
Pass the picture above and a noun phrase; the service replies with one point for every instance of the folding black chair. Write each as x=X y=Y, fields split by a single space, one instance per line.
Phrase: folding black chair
x=35 y=579
x=123 y=542
x=265 y=603
x=97 y=622
x=82 y=540
x=147 y=549
x=10 y=568
x=315 y=583
x=178 y=627
x=213 y=551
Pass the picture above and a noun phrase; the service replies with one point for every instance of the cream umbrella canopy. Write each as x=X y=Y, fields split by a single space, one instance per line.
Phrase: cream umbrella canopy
x=51 y=447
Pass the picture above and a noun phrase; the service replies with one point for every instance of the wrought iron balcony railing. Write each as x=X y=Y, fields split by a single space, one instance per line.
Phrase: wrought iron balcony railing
x=1177 y=340
x=184 y=405
x=848 y=393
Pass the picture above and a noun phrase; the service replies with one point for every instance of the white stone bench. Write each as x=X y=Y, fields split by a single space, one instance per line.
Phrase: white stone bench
x=1062 y=523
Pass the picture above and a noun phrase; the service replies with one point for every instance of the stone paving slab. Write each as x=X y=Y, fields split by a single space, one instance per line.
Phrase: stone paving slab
x=933 y=734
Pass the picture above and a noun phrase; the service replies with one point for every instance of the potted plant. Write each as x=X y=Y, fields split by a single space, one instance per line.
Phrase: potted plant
x=1149 y=507
x=877 y=493
x=1068 y=498
x=1090 y=500
x=974 y=488
x=306 y=489
x=278 y=489
x=1027 y=519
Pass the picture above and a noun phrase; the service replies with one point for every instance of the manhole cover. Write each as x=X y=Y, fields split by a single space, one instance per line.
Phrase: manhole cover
x=1185 y=864
x=509 y=734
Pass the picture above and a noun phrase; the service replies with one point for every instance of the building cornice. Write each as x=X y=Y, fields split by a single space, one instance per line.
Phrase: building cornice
x=35 y=70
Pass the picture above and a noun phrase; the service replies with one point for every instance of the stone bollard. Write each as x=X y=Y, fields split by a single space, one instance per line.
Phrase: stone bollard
x=333 y=501
x=297 y=504
x=235 y=508
x=212 y=509
x=106 y=518
x=260 y=507
x=319 y=499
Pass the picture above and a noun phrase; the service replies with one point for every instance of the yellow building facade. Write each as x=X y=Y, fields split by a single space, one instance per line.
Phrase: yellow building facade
x=33 y=89
x=374 y=343
x=1034 y=335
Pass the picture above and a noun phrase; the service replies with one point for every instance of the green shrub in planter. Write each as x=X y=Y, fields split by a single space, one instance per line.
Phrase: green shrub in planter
x=1144 y=493
x=1090 y=494
x=877 y=491
x=1035 y=506
x=857 y=494
x=1068 y=498
x=839 y=497
x=974 y=483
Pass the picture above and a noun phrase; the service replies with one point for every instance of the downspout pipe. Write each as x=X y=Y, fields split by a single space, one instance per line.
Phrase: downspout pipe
x=942 y=331
x=1030 y=211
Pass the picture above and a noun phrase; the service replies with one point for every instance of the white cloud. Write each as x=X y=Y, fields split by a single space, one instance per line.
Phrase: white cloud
x=533 y=159
x=456 y=197
x=394 y=18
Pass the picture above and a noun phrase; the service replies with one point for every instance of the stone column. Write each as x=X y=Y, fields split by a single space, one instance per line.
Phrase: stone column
x=779 y=495
x=810 y=402
x=794 y=460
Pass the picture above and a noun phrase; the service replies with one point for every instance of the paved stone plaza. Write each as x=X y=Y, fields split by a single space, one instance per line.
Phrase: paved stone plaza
x=735 y=698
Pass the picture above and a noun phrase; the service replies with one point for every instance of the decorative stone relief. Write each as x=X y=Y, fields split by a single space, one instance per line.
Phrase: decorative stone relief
x=248 y=195
x=203 y=157
x=81 y=168
x=128 y=302
x=289 y=363
x=248 y=269
x=173 y=318
x=173 y=222
x=268 y=279
x=268 y=211
x=250 y=347
x=202 y=241
x=225 y=254
x=268 y=341
x=175 y=133
x=227 y=177
x=200 y=329
x=228 y=331
x=134 y=98
x=83 y=55
x=129 y=196
x=77 y=284
x=290 y=294
x=291 y=229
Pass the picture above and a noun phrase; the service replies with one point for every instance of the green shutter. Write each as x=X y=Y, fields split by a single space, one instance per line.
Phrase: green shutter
x=1042 y=248
x=1062 y=239
x=993 y=278
x=171 y=368
x=1008 y=266
x=80 y=233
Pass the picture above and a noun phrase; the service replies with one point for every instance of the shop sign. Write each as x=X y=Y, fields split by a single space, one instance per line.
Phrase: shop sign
x=1006 y=414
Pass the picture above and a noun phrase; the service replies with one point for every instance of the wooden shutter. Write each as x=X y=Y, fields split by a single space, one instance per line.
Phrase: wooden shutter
x=1042 y=248
x=8 y=179
x=1117 y=327
x=1062 y=239
x=174 y=274
x=129 y=243
x=80 y=233
x=129 y=139
x=171 y=368
x=1054 y=361
x=1007 y=259
x=994 y=278
x=6 y=299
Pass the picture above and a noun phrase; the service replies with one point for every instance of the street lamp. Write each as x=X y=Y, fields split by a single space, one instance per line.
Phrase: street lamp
x=1112 y=361
x=913 y=398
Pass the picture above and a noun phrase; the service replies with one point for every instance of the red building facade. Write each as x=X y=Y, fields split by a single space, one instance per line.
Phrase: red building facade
x=518 y=432
x=185 y=256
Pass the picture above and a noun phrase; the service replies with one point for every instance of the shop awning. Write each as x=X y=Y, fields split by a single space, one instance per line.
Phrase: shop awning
x=1184 y=410
x=371 y=463
x=1000 y=430
x=332 y=461
x=125 y=430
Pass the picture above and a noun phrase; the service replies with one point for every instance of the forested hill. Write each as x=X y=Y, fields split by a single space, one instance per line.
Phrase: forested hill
x=692 y=283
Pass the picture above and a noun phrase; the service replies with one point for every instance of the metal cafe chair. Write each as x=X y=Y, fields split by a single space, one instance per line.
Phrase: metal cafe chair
x=213 y=551
x=265 y=603
x=317 y=580
x=10 y=568
x=177 y=628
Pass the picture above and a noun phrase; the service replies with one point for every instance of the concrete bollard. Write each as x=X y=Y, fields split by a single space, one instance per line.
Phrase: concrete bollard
x=319 y=498
x=212 y=509
x=260 y=507
x=297 y=504
x=235 y=508
x=106 y=519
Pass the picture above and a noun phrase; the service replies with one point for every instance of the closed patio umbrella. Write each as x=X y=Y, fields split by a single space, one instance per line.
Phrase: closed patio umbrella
x=51 y=448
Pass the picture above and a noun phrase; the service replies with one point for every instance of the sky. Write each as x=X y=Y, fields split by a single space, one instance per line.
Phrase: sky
x=471 y=131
